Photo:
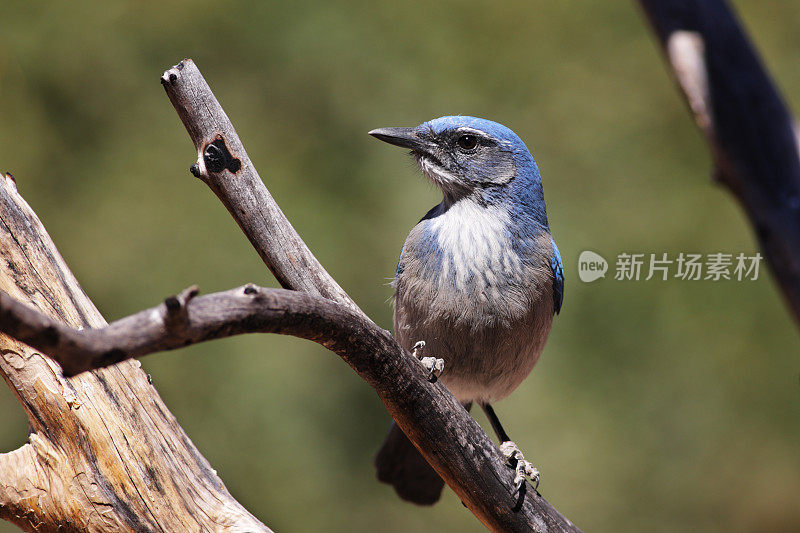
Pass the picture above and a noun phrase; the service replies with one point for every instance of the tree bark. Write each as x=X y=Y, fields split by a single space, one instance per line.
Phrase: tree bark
x=750 y=132
x=436 y=423
x=104 y=452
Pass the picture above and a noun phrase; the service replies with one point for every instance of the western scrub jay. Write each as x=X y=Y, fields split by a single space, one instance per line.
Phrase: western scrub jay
x=478 y=281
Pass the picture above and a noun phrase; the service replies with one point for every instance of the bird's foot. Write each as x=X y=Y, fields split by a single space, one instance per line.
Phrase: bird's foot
x=418 y=348
x=433 y=365
x=523 y=469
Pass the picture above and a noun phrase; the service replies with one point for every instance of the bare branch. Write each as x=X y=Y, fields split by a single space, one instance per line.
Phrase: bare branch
x=224 y=166
x=749 y=129
x=450 y=438
x=181 y=321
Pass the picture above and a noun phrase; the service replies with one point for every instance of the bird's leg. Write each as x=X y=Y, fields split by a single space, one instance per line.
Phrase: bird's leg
x=523 y=469
x=433 y=365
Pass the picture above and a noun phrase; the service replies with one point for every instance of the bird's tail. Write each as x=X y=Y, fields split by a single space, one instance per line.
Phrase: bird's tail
x=400 y=464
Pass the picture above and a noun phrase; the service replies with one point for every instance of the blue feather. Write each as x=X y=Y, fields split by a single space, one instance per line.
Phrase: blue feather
x=558 y=279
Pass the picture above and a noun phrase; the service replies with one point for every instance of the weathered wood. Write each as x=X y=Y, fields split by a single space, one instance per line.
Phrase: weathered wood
x=749 y=129
x=104 y=453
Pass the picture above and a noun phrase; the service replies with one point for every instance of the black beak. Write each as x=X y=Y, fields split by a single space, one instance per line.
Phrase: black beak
x=404 y=137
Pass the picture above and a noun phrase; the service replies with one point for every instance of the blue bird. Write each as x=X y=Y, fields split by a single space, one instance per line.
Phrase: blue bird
x=478 y=281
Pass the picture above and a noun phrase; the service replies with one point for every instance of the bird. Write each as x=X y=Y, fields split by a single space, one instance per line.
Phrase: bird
x=478 y=281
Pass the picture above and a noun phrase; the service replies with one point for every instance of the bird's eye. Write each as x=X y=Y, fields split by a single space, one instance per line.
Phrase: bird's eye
x=467 y=142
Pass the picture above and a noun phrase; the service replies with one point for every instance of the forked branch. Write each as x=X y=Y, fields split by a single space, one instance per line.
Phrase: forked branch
x=448 y=435
x=450 y=440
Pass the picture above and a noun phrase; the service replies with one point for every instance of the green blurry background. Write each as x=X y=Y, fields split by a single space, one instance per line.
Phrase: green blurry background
x=657 y=406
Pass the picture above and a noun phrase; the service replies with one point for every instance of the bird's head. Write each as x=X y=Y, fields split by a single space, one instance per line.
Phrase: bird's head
x=468 y=157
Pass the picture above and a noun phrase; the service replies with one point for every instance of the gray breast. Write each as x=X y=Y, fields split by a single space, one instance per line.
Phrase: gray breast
x=463 y=289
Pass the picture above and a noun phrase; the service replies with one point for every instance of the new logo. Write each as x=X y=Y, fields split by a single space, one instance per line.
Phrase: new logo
x=591 y=266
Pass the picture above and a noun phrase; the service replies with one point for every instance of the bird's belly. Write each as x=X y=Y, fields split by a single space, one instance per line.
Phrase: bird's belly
x=489 y=342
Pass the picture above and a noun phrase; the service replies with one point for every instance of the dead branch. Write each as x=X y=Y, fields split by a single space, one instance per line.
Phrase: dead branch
x=469 y=462
x=463 y=449
x=224 y=166
x=448 y=437
x=104 y=452
x=184 y=320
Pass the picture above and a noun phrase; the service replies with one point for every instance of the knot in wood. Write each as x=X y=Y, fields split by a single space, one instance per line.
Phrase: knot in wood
x=217 y=157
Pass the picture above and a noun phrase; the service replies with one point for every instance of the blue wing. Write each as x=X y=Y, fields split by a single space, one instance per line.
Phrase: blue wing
x=558 y=279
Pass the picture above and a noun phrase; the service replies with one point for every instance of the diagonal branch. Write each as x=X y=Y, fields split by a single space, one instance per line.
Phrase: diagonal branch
x=224 y=166
x=449 y=439
x=749 y=129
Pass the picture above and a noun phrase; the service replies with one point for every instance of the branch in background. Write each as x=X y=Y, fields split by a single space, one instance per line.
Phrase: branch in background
x=748 y=127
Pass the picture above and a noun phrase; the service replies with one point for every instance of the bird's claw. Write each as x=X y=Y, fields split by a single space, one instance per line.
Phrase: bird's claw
x=418 y=348
x=523 y=470
x=433 y=365
x=526 y=471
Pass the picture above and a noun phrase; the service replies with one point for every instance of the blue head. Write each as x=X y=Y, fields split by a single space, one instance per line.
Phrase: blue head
x=477 y=159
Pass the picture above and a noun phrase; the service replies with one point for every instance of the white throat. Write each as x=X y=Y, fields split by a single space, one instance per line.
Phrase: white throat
x=475 y=243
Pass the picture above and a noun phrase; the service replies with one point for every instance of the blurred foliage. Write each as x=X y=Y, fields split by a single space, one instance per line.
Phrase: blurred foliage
x=657 y=406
